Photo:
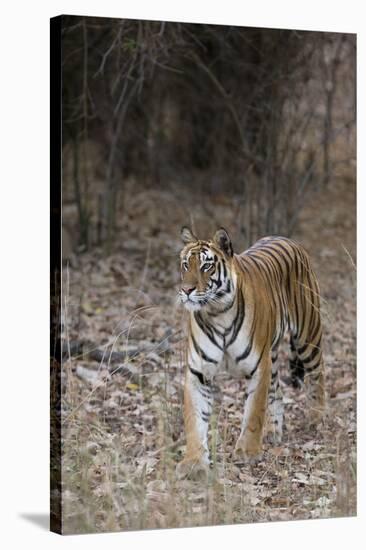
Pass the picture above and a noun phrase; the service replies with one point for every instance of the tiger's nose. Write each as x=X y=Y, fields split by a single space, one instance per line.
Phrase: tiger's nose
x=188 y=290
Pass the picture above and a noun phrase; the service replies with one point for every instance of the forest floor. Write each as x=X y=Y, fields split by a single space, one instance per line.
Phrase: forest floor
x=122 y=418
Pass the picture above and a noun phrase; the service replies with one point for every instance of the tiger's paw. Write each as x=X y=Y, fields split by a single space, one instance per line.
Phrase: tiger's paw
x=248 y=452
x=273 y=438
x=194 y=469
x=273 y=434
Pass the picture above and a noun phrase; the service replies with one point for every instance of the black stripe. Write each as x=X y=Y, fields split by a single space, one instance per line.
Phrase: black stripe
x=258 y=262
x=218 y=280
x=284 y=249
x=265 y=261
x=315 y=330
x=304 y=324
x=238 y=321
x=278 y=269
x=246 y=352
x=201 y=353
x=312 y=355
x=277 y=337
x=311 y=369
x=266 y=270
x=297 y=290
x=272 y=252
x=206 y=329
x=259 y=360
x=205 y=391
x=288 y=261
x=292 y=344
x=203 y=380
x=253 y=371
x=312 y=307
x=219 y=270
x=303 y=348
x=219 y=312
x=218 y=284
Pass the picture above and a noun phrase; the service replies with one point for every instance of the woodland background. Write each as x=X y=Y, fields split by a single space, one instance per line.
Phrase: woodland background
x=166 y=124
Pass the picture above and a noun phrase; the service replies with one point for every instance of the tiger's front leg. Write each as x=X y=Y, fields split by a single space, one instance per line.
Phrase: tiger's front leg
x=197 y=410
x=249 y=444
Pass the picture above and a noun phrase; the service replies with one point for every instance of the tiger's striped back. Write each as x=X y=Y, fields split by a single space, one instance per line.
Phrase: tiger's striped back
x=283 y=268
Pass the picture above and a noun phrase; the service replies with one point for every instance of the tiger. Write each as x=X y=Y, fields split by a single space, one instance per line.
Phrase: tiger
x=240 y=306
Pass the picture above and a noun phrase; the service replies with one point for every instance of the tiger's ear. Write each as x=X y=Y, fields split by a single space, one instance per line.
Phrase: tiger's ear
x=223 y=241
x=187 y=235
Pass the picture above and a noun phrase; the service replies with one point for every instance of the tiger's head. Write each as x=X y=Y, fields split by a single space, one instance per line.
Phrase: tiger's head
x=206 y=274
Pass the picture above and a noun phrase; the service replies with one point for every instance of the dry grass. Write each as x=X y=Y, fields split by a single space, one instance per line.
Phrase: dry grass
x=122 y=437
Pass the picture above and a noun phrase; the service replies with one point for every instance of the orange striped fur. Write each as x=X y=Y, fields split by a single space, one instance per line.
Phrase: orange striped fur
x=240 y=307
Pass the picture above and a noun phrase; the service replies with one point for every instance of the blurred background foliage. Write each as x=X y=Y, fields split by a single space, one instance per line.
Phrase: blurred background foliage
x=260 y=116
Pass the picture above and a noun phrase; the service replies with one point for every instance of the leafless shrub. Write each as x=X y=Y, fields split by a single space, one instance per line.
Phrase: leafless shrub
x=253 y=113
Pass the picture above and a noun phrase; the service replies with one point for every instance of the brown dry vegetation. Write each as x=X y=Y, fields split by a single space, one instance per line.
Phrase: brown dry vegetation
x=169 y=124
x=122 y=432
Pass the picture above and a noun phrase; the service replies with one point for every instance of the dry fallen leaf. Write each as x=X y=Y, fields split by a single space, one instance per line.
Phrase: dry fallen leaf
x=132 y=387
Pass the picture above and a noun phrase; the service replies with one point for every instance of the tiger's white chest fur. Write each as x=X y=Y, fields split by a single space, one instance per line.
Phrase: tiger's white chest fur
x=224 y=347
